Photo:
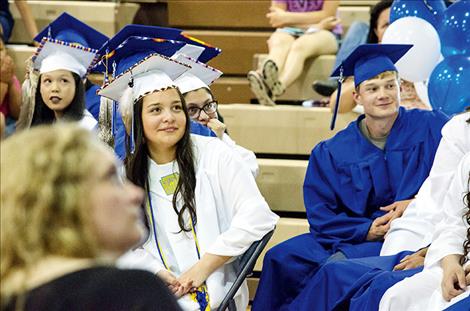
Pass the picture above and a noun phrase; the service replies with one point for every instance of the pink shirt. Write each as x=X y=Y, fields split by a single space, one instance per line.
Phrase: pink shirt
x=302 y=5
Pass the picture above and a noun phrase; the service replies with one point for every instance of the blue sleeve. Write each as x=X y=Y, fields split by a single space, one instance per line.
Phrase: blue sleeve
x=92 y=101
x=199 y=129
x=119 y=136
x=328 y=216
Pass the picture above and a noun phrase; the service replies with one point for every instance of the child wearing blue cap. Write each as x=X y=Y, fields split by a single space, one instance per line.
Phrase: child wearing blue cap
x=55 y=87
x=202 y=106
x=203 y=207
x=356 y=182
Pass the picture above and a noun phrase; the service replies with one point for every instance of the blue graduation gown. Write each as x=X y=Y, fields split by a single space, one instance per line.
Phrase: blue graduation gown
x=348 y=179
x=92 y=101
x=462 y=305
x=337 y=283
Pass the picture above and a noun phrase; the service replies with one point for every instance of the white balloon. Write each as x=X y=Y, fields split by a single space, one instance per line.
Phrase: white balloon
x=418 y=63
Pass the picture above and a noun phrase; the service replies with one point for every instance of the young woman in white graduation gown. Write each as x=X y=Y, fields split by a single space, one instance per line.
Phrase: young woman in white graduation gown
x=203 y=207
x=445 y=278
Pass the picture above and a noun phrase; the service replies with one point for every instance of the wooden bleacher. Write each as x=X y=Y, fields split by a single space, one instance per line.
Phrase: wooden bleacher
x=291 y=130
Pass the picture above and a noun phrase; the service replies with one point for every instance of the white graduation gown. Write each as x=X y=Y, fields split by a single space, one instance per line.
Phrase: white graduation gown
x=415 y=228
x=88 y=121
x=247 y=156
x=423 y=290
x=231 y=215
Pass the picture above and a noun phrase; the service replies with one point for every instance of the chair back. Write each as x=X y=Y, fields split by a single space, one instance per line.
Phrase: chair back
x=247 y=263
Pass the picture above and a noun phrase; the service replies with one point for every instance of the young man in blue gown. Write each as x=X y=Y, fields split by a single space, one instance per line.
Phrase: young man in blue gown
x=358 y=181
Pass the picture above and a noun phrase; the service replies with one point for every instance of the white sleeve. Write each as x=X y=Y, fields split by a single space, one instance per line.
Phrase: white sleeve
x=451 y=232
x=454 y=144
x=247 y=156
x=140 y=258
x=251 y=217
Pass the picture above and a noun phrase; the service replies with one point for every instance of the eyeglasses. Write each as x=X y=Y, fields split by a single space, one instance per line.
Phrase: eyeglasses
x=208 y=108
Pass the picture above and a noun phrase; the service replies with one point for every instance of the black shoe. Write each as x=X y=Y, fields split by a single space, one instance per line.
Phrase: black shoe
x=325 y=87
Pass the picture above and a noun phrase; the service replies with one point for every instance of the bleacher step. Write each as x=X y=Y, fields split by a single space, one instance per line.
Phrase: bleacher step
x=281 y=129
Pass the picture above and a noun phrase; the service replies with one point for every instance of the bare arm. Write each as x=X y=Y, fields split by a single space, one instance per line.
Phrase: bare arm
x=199 y=272
x=14 y=98
x=3 y=91
x=27 y=17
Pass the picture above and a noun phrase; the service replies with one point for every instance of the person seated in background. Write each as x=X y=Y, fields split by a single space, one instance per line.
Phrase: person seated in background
x=10 y=93
x=379 y=21
x=7 y=22
x=202 y=106
x=358 y=33
x=375 y=165
x=55 y=88
x=67 y=214
x=304 y=29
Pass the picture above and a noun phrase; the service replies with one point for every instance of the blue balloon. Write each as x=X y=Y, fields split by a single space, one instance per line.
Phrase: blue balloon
x=448 y=87
x=417 y=8
x=454 y=29
x=436 y=6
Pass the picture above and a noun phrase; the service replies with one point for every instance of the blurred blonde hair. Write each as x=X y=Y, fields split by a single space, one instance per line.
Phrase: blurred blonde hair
x=46 y=174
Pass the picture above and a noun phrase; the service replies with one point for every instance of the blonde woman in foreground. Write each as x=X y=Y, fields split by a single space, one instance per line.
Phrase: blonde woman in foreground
x=66 y=216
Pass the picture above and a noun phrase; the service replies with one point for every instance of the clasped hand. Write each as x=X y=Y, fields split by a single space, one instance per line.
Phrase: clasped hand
x=186 y=283
x=381 y=225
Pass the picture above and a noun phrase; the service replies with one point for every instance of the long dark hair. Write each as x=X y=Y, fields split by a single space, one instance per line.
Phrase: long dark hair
x=374 y=16
x=137 y=164
x=73 y=112
x=466 y=244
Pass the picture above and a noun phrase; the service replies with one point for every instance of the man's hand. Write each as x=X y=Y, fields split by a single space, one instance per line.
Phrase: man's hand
x=397 y=208
x=453 y=278
x=379 y=227
x=412 y=261
x=277 y=17
x=217 y=127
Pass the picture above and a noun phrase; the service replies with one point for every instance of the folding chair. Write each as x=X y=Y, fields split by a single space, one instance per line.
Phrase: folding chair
x=247 y=263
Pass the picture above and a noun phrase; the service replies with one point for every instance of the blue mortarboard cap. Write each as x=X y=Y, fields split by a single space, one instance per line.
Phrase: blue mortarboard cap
x=366 y=62
x=153 y=39
x=133 y=49
x=69 y=29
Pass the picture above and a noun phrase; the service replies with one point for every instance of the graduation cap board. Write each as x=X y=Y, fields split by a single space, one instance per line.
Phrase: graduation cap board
x=199 y=76
x=366 y=62
x=135 y=48
x=112 y=51
x=69 y=44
